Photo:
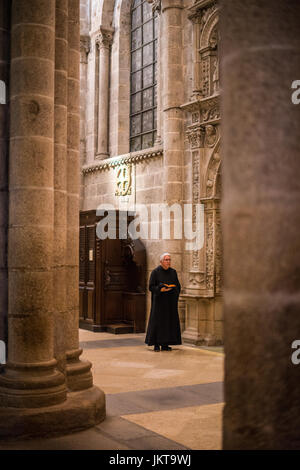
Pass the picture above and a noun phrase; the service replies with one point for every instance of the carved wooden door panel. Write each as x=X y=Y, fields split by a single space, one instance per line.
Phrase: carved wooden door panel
x=87 y=267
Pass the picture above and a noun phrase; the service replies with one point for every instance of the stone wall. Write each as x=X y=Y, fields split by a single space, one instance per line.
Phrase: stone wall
x=187 y=133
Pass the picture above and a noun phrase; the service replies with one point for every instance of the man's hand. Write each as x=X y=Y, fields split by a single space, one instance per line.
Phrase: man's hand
x=165 y=289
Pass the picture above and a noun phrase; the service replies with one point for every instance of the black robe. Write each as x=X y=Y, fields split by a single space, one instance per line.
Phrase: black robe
x=163 y=326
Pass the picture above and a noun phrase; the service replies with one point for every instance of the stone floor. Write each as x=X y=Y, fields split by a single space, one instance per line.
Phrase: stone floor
x=170 y=400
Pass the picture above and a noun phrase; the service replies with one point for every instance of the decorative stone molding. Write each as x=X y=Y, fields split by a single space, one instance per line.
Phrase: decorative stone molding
x=195 y=134
x=134 y=157
x=123 y=180
x=104 y=37
x=205 y=115
x=156 y=5
x=211 y=175
x=204 y=16
x=201 y=10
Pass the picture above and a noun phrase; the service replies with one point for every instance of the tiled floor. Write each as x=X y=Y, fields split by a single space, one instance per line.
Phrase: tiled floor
x=166 y=400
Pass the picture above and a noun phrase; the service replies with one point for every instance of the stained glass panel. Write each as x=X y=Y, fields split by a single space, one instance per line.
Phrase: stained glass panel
x=136 y=124
x=148 y=76
x=148 y=54
x=155 y=96
x=135 y=144
x=136 y=38
x=136 y=81
x=147 y=11
x=148 y=31
x=143 y=87
x=156 y=26
x=148 y=121
x=148 y=98
x=136 y=60
x=147 y=140
x=136 y=17
x=136 y=103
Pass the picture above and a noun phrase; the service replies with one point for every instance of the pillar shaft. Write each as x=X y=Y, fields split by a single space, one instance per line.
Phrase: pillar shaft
x=77 y=372
x=60 y=179
x=4 y=136
x=172 y=72
x=103 y=41
x=30 y=378
x=172 y=98
x=261 y=222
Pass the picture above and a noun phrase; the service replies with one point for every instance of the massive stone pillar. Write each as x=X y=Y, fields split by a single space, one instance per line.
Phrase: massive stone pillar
x=103 y=41
x=261 y=222
x=60 y=180
x=4 y=134
x=172 y=72
x=78 y=372
x=30 y=378
x=44 y=388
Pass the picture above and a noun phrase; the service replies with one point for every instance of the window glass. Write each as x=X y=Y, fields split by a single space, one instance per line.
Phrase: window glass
x=143 y=76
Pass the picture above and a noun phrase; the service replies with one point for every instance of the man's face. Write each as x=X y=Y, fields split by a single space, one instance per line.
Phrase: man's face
x=166 y=262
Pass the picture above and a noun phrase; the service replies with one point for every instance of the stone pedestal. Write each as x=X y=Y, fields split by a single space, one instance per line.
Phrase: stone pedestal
x=203 y=320
x=261 y=222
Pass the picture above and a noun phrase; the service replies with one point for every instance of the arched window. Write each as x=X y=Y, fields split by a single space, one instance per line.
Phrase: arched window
x=143 y=93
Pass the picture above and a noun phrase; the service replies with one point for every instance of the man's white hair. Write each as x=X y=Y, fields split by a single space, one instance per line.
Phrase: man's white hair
x=163 y=255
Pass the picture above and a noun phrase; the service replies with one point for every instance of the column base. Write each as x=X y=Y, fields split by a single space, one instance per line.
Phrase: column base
x=78 y=372
x=32 y=385
x=80 y=411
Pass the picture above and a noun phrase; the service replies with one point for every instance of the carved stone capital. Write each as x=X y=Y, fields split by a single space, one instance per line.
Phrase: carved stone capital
x=104 y=38
x=156 y=5
x=196 y=136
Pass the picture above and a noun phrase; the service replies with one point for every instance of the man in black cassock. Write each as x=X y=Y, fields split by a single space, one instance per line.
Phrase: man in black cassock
x=164 y=327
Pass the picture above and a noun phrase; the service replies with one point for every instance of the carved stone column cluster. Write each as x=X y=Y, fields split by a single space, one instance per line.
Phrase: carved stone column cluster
x=103 y=41
x=203 y=287
x=261 y=223
x=43 y=367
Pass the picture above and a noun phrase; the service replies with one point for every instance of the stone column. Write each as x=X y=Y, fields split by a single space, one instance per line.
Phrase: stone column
x=60 y=179
x=78 y=372
x=103 y=41
x=30 y=378
x=4 y=135
x=172 y=72
x=260 y=59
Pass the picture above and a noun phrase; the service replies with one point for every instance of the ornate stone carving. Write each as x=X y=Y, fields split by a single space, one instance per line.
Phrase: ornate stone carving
x=134 y=157
x=196 y=278
x=219 y=257
x=201 y=10
x=104 y=37
x=205 y=110
x=211 y=175
x=156 y=5
x=211 y=135
x=196 y=199
x=204 y=16
x=209 y=251
x=195 y=135
x=123 y=182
